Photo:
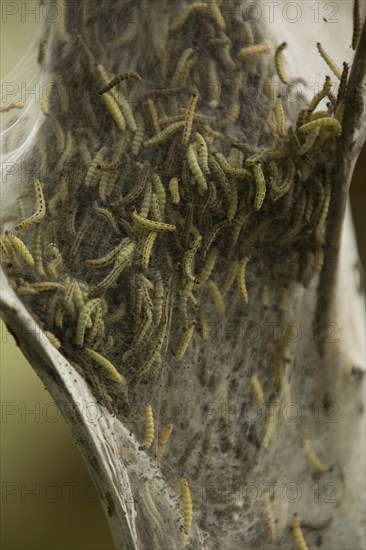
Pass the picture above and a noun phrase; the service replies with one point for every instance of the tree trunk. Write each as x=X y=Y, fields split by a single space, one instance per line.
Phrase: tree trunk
x=256 y=362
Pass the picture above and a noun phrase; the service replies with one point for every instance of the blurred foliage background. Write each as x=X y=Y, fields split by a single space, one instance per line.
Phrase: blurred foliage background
x=47 y=498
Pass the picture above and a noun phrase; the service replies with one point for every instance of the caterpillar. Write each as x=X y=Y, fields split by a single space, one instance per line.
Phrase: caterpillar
x=217 y=298
x=279 y=116
x=251 y=51
x=123 y=260
x=187 y=505
x=163 y=440
x=108 y=216
x=189 y=258
x=120 y=78
x=298 y=536
x=230 y=278
x=109 y=368
x=333 y=67
x=240 y=277
x=323 y=122
x=356 y=24
x=270 y=519
x=164 y=134
x=114 y=110
x=188 y=121
x=260 y=184
x=153 y=115
x=257 y=390
x=279 y=63
x=185 y=340
x=196 y=169
x=40 y=208
x=314 y=460
x=174 y=190
x=151 y=225
x=20 y=247
x=149 y=427
x=84 y=319
x=147 y=249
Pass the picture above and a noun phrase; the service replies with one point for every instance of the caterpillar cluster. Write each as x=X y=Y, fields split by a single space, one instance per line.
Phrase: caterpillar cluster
x=153 y=206
x=181 y=197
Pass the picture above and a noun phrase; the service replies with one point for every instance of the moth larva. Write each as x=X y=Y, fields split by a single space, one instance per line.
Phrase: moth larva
x=183 y=303
x=162 y=441
x=108 y=216
x=20 y=247
x=56 y=261
x=270 y=519
x=120 y=78
x=40 y=208
x=213 y=86
x=214 y=10
x=154 y=208
x=84 y=319
x=187 y=505
x=142 y=329
x=149 y=427
x=108 y=258
x=243 y=293
x=164 y=134
x=212 y=236
x=333 y=67
x=320 y=95
x=188 y=121
x=221 y=176
x=356 y=24
x=126 y=111
x=110 y=369
x=279 y=63
x=217 y=298
x=151 y=225
x=153 y=115
x=160 y=191
x=208 y=266
x=257 y=390
x=146 y=201
x=114 y=110
x=123 y=260
x=251 y=51
x=174 y=190
x=270 y=426
x=118 y=314
x=147 y=249
x=139 y=134
x=308 y=143
x=185 y=341
x=196 y=169
x=180 y=73
x=93 y=173
x=202 y=153
x=53 y=339
x=230 y=170
x=298 y=536
x=205 y=329
x=44 y=101
x=67 y=152
x=323 y=212
x=260 y=185
x=36 y=288
x=155 y=348
x=279 y=116
x=314 y=459
x=230 y=278
x=188 y=259
x=13 y=105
